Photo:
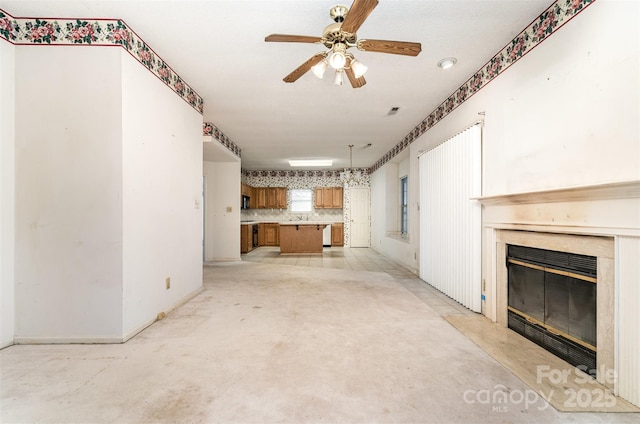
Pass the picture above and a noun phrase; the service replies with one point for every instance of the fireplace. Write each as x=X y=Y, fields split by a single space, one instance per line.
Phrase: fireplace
x=598 y=220
x=552 y=301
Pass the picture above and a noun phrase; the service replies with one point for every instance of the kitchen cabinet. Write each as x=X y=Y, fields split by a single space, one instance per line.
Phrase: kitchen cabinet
x=246 y=190
x=281 y=197
x=298 y=237
x=268 y=234
x=261 y=197
x=317 y=201
x=271 y=235
x=337 y=197
x=246 y=238
x=328 y=197
x=270 y=198
x=337 y=234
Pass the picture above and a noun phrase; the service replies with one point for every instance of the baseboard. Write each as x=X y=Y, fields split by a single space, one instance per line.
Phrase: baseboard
x=6 y=344
x=103 y=339
x=66 y=340
x=176 y=305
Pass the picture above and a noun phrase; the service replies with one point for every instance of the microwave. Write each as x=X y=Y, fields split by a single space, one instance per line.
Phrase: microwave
x=245 y=202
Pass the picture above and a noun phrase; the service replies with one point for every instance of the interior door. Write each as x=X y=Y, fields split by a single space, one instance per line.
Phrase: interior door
x=359 y=211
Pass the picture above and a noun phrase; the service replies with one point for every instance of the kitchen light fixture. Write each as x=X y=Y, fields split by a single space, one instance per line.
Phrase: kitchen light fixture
x=311 y=162
x=351 y=177
x=447 y=62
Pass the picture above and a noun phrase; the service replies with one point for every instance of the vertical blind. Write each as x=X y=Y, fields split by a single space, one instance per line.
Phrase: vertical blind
x=450 y=221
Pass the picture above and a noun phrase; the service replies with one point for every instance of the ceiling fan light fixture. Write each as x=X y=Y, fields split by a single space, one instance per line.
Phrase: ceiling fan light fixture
x=338 y=58
x=358 y=68
x=338 y=80
x=319 y=69
x=447 y=62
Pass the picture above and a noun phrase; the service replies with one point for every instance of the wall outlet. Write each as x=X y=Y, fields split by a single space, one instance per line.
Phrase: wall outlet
x=167 y=283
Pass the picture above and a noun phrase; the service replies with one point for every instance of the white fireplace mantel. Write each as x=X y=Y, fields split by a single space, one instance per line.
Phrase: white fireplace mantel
x=618 y=190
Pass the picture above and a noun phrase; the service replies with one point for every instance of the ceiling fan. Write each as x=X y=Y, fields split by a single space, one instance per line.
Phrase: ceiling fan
x=340 y=36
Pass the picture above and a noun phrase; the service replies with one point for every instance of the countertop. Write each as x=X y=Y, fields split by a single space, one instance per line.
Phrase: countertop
x=296 y=222
x=307 y=222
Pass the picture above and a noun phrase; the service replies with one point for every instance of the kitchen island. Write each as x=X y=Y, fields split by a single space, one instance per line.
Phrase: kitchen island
x=301 y=236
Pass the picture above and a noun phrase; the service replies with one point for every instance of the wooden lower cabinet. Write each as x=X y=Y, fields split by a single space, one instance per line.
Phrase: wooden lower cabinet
x=268 y=234
x=337 y=234
x=272 y=235
x=246 y=238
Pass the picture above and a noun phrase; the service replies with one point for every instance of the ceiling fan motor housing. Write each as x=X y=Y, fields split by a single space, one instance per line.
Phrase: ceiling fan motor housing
x=338 y=12
x=333 y=34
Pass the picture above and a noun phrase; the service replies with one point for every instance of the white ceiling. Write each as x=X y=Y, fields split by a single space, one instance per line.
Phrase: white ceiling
x=217 y=47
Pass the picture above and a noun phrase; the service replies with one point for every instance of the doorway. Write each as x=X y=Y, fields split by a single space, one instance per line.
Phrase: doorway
x=359 y=214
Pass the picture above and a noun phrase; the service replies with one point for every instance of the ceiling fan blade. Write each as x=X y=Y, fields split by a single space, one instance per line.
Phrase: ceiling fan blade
x=304 y=68
x=394 y=47
x=359 y=11
x=355 y=82
x=286 y=38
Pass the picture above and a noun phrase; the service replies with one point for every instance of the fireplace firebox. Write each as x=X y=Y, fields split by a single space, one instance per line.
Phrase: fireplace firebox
x=552 y=301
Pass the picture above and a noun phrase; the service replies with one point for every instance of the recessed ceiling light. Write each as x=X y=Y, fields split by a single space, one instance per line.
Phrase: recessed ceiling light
x=311 y=162
x=447 y=62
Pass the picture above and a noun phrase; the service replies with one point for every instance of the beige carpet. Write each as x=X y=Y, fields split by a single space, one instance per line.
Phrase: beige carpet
x=279 y=344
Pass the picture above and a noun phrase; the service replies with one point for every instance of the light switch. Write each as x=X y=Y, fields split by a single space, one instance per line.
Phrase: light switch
x=229 y=209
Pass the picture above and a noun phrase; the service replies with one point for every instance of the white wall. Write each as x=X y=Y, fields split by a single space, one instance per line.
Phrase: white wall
x=68 y=262
x=162 y=197
x=385 y=221
x=222 y=228
x=566 y=114
x=7 y=191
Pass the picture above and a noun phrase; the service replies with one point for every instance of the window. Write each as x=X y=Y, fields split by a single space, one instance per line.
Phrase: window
x=404 y=206
x=301 y=200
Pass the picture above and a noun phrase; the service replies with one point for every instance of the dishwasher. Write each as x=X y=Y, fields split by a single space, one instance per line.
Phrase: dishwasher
x=326 y=236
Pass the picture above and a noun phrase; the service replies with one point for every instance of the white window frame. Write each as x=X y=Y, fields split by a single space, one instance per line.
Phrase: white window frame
x=301 y=200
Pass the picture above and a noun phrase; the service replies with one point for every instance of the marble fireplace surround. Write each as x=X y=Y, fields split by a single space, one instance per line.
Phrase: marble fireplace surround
x=600 y=220
x=600 y=247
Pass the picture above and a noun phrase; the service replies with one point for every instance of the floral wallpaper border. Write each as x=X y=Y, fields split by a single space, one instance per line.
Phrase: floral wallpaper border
x=100 y=32
x=210 y=130
x=556 y=15
x=300 y=173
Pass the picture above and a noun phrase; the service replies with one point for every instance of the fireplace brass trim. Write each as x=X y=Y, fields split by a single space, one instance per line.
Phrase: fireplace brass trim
x=554 y=271
x=552 y=329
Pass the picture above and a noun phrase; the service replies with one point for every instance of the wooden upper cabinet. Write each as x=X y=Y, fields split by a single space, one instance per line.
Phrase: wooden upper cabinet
x=337 y=197
x=245 y=189
x=281 y=197
x=268 y=197
x=317 y=203
x=271 y=197
x=261 y=197
x=328 y=197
